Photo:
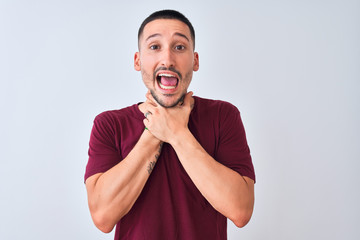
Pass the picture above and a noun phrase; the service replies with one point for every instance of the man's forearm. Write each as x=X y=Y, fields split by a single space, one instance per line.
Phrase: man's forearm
x=227 y=191
x=112 y=194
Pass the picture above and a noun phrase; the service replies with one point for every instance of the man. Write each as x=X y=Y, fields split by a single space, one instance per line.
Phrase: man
x=175 y=166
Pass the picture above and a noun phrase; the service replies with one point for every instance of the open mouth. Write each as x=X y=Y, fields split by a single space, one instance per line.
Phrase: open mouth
x=167 y=81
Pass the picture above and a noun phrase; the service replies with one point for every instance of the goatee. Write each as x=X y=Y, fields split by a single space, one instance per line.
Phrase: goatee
x=161 y=103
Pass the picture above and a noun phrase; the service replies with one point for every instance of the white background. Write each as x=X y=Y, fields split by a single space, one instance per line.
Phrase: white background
x=291 y=67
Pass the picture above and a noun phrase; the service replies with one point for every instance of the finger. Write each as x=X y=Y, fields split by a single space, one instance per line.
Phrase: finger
x=145 y=107
x=188 y=100
x=149 y=102
x=146 y=123
x=181 y=101
x=151 y=99
x=147 y=114
x=147 y=94
x=148 y=99
x=149 y=110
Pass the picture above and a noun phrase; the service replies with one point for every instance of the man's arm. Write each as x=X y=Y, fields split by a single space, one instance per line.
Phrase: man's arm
x=227 y=191
x=112 y=194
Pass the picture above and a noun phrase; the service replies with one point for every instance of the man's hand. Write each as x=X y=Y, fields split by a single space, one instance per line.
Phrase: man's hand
x=167 y=123
x=226 y=190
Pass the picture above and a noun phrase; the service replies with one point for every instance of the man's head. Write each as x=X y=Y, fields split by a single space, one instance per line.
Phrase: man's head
x=167 y=14
x=166 y=56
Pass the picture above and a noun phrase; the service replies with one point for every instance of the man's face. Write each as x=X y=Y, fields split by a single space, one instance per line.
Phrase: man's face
x=166 y=59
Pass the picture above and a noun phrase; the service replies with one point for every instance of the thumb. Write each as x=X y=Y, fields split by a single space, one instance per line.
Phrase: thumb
x=189 y=100
x=150 y=99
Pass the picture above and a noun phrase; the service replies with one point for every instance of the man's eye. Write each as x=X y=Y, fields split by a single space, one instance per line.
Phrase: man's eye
x=154 y=47
x=179 y=47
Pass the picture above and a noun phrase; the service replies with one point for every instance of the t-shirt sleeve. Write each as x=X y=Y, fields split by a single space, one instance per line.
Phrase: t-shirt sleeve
x=103 y=151
x=233 y=150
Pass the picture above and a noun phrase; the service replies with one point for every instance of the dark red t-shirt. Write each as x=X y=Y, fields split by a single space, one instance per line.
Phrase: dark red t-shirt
x=170 y=206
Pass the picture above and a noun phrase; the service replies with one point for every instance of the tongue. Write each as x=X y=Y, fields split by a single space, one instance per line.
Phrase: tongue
x=168 y=81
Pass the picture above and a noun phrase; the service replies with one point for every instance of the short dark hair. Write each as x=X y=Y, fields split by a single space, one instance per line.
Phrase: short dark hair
x=167 y=14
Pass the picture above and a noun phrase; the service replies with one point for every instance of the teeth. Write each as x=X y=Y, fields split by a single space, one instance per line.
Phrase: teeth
x=166 y=75
x=166 y=87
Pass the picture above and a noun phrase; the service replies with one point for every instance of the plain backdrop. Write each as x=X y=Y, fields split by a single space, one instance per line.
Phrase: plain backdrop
x=291 y=67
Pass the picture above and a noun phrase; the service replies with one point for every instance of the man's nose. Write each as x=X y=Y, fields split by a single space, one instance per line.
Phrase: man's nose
x=167 y=58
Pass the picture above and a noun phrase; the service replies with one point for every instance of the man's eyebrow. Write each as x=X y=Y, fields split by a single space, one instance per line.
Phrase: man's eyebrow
x=152 y=36
x=158 y=34
x=182 y=35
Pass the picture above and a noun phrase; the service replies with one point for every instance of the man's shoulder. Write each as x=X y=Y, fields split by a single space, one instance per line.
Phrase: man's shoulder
x=212 y=104
x=119 y=114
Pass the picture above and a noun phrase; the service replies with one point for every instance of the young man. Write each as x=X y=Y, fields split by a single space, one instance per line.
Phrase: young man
x=175 y=166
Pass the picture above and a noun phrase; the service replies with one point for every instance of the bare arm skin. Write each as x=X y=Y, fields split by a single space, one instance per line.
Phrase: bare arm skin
x=227 y=191
x=112 y=194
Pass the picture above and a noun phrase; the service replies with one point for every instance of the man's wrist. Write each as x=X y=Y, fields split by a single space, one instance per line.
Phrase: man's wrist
x=149 y=137
x=180 y=137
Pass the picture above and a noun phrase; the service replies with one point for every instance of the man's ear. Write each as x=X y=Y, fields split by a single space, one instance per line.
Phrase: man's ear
x=196 y=62
x=137 y=61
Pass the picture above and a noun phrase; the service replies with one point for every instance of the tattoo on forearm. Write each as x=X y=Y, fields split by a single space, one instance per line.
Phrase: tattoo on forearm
x=151 y=166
